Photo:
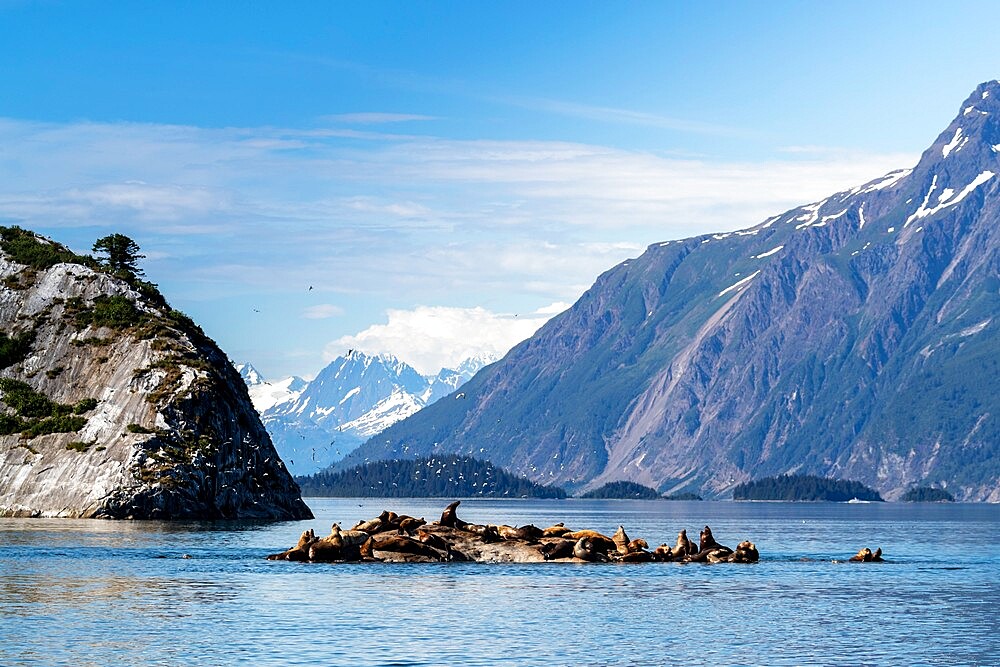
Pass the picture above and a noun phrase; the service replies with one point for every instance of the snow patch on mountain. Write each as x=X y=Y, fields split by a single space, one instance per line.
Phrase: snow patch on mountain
x=314 y=424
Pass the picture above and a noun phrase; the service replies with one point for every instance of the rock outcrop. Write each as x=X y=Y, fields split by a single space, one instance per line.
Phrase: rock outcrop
x=115 y=406
x=396 y=538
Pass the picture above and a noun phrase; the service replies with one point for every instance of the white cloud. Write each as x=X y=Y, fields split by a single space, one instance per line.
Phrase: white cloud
x=322 y=311
x=433 y=337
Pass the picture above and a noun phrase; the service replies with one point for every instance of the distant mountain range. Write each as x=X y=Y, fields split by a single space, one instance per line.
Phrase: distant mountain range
x=854 y=337
x=315 y=423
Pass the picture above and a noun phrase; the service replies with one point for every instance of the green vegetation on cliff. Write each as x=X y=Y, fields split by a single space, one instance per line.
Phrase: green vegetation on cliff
x=432 y=477
x=623 y=490
x=35 y=414
x=804 y=487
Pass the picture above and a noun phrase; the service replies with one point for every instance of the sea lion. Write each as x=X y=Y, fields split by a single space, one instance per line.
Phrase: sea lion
x=328 y=548
x=526 y=533
x=663 y=554
x=449 y=518
x=638 y=545
x=590 y=549
x=707 y=541
x=365 y=550
x=558 y=548
x=620 y=538
x=409 y=524
x=746 y=552
x=637 y=557
x=371 y=526
x=607 y=544
x=863 y=556
x=558 y=530
x=877 y=556
x=681 y=548
x=406 y=545
x=300 y=552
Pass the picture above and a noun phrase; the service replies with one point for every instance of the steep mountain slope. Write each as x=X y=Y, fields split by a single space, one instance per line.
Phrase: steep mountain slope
x=854 y=337
x=115 y=406
x=353 y=398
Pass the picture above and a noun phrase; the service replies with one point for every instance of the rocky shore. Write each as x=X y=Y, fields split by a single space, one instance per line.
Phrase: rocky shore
x=393 y=537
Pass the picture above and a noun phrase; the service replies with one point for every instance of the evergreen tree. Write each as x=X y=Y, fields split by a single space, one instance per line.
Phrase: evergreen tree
x=122 y=254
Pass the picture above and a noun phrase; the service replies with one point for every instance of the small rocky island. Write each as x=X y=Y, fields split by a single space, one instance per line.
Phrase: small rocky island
x=396 y=538
x=114 y=405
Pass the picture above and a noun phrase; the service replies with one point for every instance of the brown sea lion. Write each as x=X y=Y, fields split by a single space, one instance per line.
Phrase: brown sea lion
x=558 y=548
x=365 y=550
x=637 y=557
x=746 y=552
x=409 y=524
x=637 y=545
x=663 y=554
x=681 y=548
x=607 y=544
x=406 y=545
x=620 y=538
x=558 y=530
x=877 y=556
x=300 y=552
x=371 y=526
x=863 y=556
x=707 y=541
x=328 y=548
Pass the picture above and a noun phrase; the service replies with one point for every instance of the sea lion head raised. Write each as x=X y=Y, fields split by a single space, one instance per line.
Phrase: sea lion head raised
x=448 y=516
x=621 y=540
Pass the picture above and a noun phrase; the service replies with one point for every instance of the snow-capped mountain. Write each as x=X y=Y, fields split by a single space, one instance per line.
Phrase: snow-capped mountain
x=314 y=424
x=855 y=337
x=264 y=394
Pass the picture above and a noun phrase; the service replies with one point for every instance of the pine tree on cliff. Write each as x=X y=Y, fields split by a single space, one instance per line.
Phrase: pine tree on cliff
x=122 y=254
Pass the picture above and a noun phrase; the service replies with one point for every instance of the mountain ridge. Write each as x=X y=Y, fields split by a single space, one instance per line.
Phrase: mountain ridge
x=854 y=336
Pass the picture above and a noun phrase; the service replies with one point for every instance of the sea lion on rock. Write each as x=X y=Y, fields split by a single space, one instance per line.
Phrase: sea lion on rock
x=707 y=541
x=607 y=544
x=300 y=552
x=558 y=530
x=328 y=548
x=558 y=548
x=663 y=554
x=371 y=527
x=590 y=549
x=637 y=545
x=409 y=524
x=620 y=538
x=637 y=557
x=406 y=545
x=450 y=518
x=682 y=547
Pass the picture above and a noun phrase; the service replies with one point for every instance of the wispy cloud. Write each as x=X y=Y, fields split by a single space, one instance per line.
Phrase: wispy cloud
x=263 y=213
x=322 y=311
x=375 y=118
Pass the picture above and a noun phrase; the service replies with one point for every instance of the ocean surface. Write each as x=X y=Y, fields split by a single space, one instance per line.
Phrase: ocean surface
x=152 y=593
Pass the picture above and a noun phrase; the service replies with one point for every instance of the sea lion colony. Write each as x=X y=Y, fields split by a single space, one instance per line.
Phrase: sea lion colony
x=397 y=538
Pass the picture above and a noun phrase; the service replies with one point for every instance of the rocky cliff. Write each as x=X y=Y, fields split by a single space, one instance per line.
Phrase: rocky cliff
x=854 y=337
x=115 y=406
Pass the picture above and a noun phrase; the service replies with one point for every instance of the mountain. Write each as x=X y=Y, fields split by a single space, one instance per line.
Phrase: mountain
x=356 y=396
x=266 y=395
x=854 y=337
x=114 y=405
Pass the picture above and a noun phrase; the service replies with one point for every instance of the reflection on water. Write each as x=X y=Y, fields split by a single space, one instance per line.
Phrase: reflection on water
x=144 y=593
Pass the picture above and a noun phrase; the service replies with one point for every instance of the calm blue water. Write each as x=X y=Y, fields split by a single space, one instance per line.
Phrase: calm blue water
x=120 y=593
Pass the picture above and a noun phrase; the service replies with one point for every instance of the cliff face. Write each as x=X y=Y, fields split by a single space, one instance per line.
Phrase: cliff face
x=855 y=337
x=115 y=406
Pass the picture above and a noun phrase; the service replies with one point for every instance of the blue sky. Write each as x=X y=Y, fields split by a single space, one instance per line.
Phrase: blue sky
x=444 y=176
